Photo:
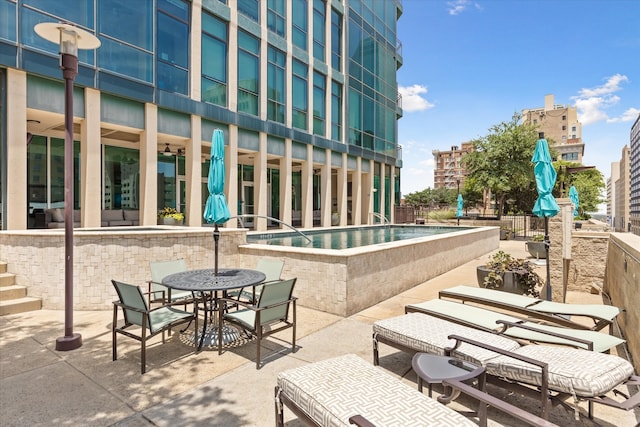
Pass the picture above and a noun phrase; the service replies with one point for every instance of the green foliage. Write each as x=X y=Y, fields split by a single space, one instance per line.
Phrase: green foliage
x=502 y=262
x=501 y=160
x=589 y=183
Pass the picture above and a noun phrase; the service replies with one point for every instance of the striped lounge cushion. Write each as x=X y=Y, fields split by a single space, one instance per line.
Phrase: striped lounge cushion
x=335 y=389
x=429 y=334
x=579 y=372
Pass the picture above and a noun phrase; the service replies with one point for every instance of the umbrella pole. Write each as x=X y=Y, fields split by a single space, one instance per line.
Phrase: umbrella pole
x=216 y=238
x=547 y=243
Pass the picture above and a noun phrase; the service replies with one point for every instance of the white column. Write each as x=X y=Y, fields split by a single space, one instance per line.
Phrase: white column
x=382 y=191
x=392 y=195
x=149 y=167
x=231 y=172
x=286 y=182
x=193 y=171
x=16 y=110
x=195 y=60
x=356 y=193
x=325 y=190
x=90 y=155
x=342 y=191
x=232 y=57
x=307 y=189
x=260 y=187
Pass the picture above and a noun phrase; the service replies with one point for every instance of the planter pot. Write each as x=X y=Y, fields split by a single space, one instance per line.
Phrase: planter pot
x=169 y=221
x=510 y=280
x=506 y=234
x=335 y=219
x=536 y=249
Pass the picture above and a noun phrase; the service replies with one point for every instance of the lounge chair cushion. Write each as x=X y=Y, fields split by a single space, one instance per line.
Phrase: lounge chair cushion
x=335 y=389
x=575 y=371
x=429 y=334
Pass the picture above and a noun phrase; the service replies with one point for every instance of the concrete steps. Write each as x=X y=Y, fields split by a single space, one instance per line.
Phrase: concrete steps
x=13 y=298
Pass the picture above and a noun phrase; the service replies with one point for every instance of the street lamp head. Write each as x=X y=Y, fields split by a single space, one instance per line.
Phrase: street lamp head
x=70 y=38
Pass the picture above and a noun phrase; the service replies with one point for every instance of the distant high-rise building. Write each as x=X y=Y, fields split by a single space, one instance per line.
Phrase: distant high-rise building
x=448 y=168
x=560 y=126
x=611 y=193
x=634 y=177
x=622 y=192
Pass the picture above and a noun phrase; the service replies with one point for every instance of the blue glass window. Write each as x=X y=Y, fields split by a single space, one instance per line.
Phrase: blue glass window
x=336 y=40
x=300 y=97
x=130 y=22
x=80 y=12
x=336 y=111
x=299 y=23
x=276 y=73
x=173 y=46
x=29 y=37
x=248 y=73
x=249 y=8
x=214 y=60
x=318 y=29
x=126 y=60
x=276 y=16
x=319 y=113
x=8 y=20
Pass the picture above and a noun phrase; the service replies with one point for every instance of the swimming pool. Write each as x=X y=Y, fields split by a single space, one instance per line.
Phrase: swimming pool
x=350 y=237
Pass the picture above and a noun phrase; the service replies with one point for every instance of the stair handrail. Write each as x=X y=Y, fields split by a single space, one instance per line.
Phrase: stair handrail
x=239 y=217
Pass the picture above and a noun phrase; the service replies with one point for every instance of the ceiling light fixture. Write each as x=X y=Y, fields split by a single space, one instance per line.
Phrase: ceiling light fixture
x=167 y=150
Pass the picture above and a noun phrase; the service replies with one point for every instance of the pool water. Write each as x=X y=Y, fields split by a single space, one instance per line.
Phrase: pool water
x=346 y=238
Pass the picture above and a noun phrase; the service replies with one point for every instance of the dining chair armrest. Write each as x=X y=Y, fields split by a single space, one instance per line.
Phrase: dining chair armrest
x=224 y=301
x=290 y=300
x=128 y=307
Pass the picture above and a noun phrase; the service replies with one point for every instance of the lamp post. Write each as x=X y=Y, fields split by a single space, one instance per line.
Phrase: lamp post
x=69 y=39
x=458 y=183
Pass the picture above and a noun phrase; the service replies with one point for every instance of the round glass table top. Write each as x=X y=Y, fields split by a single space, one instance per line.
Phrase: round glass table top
x=205 y=279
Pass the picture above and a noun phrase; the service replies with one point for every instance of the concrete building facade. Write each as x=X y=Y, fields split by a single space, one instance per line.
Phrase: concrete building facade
x=622 y=199
x=304 y=91
x=448 y=170
x=560 y=126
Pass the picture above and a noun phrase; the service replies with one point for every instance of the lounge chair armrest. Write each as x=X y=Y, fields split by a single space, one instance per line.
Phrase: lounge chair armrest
x=501 y=405
x=360 y=421
x=507 y=325
x=459 y=340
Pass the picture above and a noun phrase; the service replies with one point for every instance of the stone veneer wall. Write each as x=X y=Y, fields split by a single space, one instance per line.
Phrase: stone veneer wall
x=36 y=257
x=622 y=284
x=344 y=282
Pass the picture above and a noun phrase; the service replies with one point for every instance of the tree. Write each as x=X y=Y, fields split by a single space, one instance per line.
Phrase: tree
x=589 y=183
x=501 y=160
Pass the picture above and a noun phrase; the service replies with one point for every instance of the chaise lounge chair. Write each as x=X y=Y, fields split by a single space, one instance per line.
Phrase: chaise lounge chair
x=348 y=390
x=553 y=374
x=602 y=315
x=515 y=327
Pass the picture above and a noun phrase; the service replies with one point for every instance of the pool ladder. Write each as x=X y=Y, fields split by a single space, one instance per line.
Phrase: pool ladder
x=272 y=219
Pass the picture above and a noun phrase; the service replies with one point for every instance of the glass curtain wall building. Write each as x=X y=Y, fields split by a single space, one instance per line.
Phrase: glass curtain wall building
x=305 y=92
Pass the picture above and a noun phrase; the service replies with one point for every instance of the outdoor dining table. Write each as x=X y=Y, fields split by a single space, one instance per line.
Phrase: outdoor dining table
x=205 y=285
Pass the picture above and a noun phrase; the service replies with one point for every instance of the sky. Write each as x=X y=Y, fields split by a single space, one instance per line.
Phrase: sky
x=469 y=65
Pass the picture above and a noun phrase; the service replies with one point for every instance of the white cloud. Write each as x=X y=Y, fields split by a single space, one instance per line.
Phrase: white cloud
x=413 y=98
x=628 y=116
x=456 y=7
x=592 y=103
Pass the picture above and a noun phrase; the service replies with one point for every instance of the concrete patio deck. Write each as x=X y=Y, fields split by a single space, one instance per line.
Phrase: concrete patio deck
x=40 y=386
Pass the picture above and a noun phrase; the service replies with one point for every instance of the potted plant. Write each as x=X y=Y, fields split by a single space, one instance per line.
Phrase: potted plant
x=505 y=273
x=170 y=216
x=505 y=233
x=335 y=218
x=536 y=247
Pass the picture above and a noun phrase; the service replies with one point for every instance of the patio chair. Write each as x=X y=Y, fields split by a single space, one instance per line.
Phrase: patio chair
x=272 y=269
x=515 y=327
x=161 y=269
x=549 y=373
x=152 y=321
x=268 y=316
x=602 y=315
x=347 y=390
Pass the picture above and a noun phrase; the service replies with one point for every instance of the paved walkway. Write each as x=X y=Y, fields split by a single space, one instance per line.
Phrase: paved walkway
x=40 y=386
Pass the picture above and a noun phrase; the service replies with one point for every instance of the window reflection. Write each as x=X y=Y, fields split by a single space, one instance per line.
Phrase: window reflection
x=121 y=184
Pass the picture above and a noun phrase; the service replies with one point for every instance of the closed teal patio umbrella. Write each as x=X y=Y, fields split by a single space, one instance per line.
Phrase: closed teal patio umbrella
x=573 y=195
x=216 y=210
x=460 y=206
x=545 y=205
